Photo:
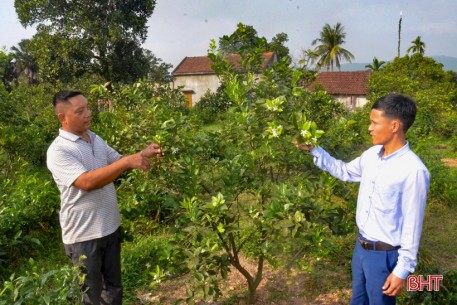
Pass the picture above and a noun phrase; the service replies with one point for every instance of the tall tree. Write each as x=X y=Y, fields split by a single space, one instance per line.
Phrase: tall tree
x=277 y=45
x=376 y=65
x=418 y=46
x=425 y=80
x=98 y=31
x=24 y=62
x=308 y=57
x=61 y=57
x=6 y=68
x=158 y=70
x=329 y=47
x=399 y=34
x=245 y=39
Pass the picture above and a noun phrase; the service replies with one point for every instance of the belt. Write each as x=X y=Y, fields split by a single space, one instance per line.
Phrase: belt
x=376 y=245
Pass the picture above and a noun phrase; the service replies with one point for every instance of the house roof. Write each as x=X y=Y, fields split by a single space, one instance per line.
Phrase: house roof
x=343 y=83
x=202 y=64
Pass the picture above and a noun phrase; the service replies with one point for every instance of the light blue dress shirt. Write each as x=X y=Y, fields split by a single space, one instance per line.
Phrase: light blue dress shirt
x=392 y=197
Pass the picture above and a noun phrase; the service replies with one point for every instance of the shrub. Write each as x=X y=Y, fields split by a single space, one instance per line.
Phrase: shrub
x=211 y=105
x=38 y=286
x=150 y=259
x=28 y=210
x=443 y=180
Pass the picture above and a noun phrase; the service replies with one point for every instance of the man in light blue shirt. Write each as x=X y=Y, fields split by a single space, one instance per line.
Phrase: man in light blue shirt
x=391 y=202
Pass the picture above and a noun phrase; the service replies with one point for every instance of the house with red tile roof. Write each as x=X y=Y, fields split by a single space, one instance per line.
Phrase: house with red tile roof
x=349 y=87
x=195 y=77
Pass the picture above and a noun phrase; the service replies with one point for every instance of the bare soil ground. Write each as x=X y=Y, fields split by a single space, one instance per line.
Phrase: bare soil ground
x=450 y=162
x=278 y=287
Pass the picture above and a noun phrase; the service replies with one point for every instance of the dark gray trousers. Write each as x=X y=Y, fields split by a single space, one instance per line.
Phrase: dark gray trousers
x=102 y=267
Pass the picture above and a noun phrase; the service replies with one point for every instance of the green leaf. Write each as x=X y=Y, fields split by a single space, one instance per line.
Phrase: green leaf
x=220 y=228
x=286 y=223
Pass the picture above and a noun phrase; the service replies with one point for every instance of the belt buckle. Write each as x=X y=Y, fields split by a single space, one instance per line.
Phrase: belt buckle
x=363 y=243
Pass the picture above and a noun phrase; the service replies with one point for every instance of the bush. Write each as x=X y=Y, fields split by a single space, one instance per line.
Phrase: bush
x=443 y=182
x=27 y=123
x=148 y=260
x=38 y=286
x=28 y=211
x=211 y=105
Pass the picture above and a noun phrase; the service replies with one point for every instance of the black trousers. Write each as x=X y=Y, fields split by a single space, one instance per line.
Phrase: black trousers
x=102 y=268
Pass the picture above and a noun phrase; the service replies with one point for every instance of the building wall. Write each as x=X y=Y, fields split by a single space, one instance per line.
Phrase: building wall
x=352 y=102
x=198 y=84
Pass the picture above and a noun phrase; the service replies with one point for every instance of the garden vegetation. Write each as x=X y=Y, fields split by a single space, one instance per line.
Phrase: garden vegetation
x=231 y=184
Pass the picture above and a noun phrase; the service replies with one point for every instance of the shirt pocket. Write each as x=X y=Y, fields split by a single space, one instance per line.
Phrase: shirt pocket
x=100 y=157
x=387 y=199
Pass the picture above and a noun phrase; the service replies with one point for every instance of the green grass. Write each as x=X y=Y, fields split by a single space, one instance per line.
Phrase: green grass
x=437 y=245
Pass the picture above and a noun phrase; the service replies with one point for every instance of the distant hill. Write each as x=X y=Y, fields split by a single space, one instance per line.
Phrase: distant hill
x=449 y=63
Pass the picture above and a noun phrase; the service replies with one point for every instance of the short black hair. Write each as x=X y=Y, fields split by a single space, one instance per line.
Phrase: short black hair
x=64 y=96
x=397 y=106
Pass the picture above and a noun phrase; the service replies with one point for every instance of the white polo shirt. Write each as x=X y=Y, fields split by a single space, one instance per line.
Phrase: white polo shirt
x=83 y=215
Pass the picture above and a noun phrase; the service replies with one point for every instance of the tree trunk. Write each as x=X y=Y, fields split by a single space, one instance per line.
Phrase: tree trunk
x=253 y=282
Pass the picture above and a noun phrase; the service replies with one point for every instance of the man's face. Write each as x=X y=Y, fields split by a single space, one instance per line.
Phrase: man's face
x=75 y=115
x=381 y=129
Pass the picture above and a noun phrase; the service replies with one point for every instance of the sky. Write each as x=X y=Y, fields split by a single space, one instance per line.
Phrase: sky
x=180 y=28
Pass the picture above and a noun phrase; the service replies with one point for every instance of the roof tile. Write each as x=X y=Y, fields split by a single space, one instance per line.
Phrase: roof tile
x=343 y=83
x=202 y=64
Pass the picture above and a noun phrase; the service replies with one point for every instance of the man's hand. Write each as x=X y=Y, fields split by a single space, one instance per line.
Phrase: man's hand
x=153 y=149
x=303 y=147
x=100 y=177
x=393 y=285
x=138 y=161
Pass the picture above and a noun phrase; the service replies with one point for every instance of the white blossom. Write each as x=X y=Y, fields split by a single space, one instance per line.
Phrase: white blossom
x=276 y=131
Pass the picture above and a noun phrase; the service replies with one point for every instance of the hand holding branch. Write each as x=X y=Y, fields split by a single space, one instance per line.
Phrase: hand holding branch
x=153 y=149
x=303 y=146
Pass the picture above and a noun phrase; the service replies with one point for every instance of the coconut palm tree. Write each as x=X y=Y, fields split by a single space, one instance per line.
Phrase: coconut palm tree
x=418 y=46
x=329 y=47
x=376 y=65
x=308 y=57
x=24 y=63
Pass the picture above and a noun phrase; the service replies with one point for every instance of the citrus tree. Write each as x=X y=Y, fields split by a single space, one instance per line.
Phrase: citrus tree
x=239 y=187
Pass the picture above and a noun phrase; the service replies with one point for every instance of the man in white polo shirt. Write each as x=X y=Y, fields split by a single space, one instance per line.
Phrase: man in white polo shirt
x=84 y=168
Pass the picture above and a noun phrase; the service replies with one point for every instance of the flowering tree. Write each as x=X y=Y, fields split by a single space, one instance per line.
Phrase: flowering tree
x=245 y=190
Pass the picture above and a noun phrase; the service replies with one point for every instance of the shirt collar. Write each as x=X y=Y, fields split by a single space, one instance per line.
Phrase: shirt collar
x=72 y=137
x=396 y=154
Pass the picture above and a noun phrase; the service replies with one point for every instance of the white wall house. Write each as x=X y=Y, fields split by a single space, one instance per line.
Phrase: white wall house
x=350 y=88
x=194 y=75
